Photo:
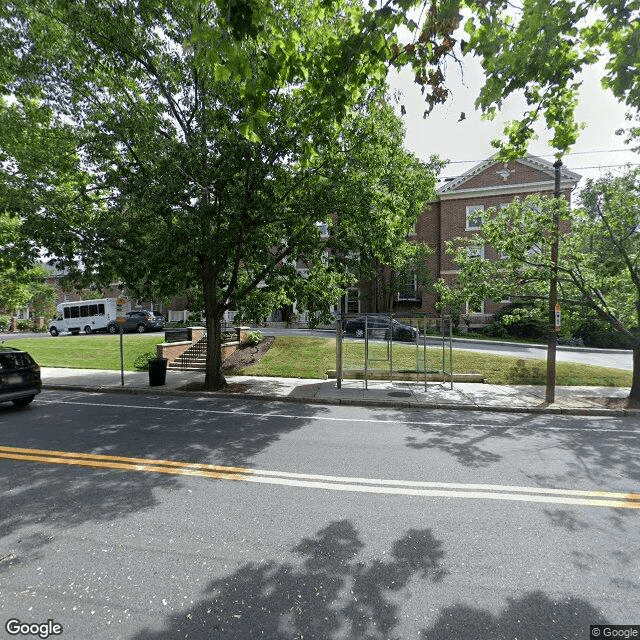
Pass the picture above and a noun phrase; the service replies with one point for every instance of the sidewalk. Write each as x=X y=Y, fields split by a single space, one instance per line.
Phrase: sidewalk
x=401 y=395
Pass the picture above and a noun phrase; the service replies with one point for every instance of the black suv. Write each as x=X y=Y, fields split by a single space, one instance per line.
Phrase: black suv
x=378 y=327
x=19 y=377
x=139 y=321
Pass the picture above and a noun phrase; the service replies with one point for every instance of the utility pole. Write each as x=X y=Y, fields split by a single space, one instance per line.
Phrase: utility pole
x=552 y=335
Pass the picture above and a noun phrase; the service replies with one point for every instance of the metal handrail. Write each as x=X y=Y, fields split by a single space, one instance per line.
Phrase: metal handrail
x=195 y=351
x=199 y=348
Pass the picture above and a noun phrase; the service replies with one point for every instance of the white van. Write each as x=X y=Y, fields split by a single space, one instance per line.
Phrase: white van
x=84 y=315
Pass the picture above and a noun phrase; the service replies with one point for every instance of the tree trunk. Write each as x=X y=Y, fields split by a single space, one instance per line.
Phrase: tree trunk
x=634 y=396
x=214 y=380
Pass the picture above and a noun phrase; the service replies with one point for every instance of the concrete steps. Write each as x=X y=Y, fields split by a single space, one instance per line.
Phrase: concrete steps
x=193 y=359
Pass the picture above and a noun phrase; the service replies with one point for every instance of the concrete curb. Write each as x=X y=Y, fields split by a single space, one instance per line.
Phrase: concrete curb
x=394 y=404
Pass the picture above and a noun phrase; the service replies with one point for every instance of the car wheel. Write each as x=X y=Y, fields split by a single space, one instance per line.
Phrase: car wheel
x=53 y=331
x=112 y=328
x=88 y=330
x=23 y=402
x=140 y=328
x=359 y=333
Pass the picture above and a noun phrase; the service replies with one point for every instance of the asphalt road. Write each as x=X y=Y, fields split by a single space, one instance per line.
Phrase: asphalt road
x=319 y=522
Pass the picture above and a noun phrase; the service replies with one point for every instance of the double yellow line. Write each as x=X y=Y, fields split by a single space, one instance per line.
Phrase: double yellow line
x=577 y=497
x=96 y=461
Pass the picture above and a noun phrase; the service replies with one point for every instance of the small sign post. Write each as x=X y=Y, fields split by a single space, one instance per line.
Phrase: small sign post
x=120 y=303
x=557 y=318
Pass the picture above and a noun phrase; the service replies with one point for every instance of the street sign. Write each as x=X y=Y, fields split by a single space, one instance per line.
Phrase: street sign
x=121 y=302
x=557 y=318
x=121 y=319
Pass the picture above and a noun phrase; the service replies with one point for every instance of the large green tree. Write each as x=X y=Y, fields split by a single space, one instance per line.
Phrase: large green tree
x=22 y=278
x=599 y=257
x=177 y=107
x=533 y=49
x=176 y=173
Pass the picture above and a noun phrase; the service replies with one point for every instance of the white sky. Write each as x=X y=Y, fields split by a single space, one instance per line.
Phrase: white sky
x=470 y=140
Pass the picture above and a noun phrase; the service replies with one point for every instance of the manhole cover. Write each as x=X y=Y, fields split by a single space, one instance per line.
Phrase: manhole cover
x=400 y=394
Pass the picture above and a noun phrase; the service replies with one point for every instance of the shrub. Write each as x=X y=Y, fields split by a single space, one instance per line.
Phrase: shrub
x=141 y=363
x=523 y=320
x=598 y=334
x=254 y=338
x=605 y=339
x=495 y=330
x=26 y=325
x=4 y=323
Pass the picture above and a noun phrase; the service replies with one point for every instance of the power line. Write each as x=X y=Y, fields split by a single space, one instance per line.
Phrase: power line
x=551 y=155
x=596 y=166
x=610 y=166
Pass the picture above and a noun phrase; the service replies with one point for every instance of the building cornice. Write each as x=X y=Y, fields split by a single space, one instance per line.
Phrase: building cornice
x=530 y=187
x=533 y=162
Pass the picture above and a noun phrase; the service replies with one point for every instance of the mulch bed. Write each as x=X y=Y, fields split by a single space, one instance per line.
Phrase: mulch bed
x=246 y=356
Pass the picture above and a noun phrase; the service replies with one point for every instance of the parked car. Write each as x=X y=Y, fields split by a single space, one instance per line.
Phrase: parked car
x=19 y=377
x=139 y=321
x=379 y=327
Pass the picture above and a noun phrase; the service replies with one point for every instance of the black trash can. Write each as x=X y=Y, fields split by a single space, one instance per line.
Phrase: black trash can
x=157 y=372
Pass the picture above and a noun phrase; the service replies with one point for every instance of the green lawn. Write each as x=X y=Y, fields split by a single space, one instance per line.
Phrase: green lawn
x=312 y=357
x=90 y=352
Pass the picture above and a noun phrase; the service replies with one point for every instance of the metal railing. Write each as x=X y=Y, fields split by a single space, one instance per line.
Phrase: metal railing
x=199 y=349
x=194 y=353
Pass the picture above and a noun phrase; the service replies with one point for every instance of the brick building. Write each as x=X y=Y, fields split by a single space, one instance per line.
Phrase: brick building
x=457 y=212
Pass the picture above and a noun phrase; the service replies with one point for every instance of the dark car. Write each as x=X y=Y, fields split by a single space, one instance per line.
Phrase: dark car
x=139 y=321
x=379 y=327
x=19 y=377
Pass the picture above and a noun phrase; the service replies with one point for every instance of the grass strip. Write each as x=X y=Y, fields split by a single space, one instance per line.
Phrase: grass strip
x=301 y=357
x=90 y=352
x=313 y=357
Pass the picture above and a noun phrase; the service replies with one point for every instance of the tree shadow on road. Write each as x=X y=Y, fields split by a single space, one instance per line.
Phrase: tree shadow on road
x=534 y=616
x=37 y=500
x=331 y=594
x=600 y=451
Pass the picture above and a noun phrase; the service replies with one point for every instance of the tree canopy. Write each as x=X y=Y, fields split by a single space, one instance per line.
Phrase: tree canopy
x=22 y=282
x=173 y=171
x=599 y=257
x=158 y=141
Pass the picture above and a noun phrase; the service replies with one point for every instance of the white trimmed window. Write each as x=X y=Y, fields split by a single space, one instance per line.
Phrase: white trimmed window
x=352 y=304
x=474 y=217
x=323 y=228
x=471 y=309
x=407 y=287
